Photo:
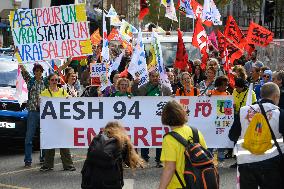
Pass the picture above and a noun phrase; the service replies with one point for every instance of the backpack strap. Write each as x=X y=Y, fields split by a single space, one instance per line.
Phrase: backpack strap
x=195 y=91
x=184 y=142
x=271 y=131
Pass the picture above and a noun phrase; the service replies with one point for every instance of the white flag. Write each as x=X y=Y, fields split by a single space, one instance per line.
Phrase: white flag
x=171 y=11
x=211 y=13
x=116 y=62
x=249 y=96
x=160 y=62
x=105 y=49
x=138 y=65
x=111 y=12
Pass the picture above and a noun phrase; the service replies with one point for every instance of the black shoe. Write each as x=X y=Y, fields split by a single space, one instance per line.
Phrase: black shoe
x=41 y=161
x=146 y=159
x=159 y=165
x=44 y=168
x=233 y=166
x=70 y=168
x=28 y=164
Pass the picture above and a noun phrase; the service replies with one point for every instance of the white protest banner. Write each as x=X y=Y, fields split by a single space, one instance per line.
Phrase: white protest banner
x=71 y=123
x=50 y=33
x=138 y=65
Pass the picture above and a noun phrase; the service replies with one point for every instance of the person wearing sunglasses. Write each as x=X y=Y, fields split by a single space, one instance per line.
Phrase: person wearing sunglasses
x=266 y=77
x=187 y=89
x=54 y=91
x=36 y=83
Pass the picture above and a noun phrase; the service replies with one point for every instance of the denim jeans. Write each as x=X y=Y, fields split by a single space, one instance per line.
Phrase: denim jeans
x=32 y=124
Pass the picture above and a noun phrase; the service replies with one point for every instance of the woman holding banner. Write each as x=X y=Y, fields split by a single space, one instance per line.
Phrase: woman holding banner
x=122 y=87
x=54 y=91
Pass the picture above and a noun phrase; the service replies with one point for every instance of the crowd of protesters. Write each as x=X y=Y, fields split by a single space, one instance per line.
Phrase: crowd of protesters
x=211 y=81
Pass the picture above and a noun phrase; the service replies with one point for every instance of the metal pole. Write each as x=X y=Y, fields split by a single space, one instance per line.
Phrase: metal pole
x=193 y=24
x=158 y=15
x=179 y=19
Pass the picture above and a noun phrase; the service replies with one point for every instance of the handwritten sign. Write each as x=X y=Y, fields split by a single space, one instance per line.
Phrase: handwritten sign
x=259 y=35
x=51 y=32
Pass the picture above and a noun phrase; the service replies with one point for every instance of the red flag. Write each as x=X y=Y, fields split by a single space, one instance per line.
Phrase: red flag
x=259 y=35
x=113 y=35
x=249 y=48
x=197 y=8
x=221 y=43
x=96 y=38
x=200 y=40
x=144 y=9
x=181 y=61
x=233 y=51
x=233 y=32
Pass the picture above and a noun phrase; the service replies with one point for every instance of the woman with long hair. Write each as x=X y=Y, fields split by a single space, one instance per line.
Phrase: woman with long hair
x=198 y=75
x=208 y=84
x=108 y=151
x=187 y=89
x=130 y=156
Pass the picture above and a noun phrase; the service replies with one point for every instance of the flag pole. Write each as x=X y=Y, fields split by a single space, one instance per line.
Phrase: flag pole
x=193 y=24
x=178 y=19
x=159 y=15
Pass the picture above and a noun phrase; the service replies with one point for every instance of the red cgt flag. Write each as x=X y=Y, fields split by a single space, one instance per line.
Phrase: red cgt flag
x=96 y=38
x=200 y=40
x=144 y=9
x=181 y=61
x=259 y=35
x=233 y=32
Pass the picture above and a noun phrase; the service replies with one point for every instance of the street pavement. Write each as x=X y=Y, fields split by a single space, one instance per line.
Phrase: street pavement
x=14 y=175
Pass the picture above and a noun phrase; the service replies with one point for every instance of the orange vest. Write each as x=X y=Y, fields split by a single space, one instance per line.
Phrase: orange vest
x=183 y=92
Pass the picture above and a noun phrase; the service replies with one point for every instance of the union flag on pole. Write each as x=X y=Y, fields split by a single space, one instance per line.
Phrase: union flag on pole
x=233 y=32
x=259 y=35
x=200 y=40
x=96 y=38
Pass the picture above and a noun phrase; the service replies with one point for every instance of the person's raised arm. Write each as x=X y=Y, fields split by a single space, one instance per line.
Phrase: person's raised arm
x=25 y=73
x=63 y=66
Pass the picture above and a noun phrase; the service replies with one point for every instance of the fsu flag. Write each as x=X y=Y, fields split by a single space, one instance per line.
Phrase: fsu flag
x=259 y=35
x=96 y=38
x=144 y=9
x=184 y=6
x=200 y=40
x=181 y=61
x=233 y=32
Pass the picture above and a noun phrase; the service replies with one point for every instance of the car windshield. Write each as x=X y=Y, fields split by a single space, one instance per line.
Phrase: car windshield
x=8 y=71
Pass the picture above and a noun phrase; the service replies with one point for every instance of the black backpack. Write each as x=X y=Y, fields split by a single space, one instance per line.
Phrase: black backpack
x=199 y=170
x=103 y=166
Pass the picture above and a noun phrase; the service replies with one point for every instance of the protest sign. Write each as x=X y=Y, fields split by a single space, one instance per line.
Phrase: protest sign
x=100 y=72
x=71 y=123
x=50 y=33
x=259 y=35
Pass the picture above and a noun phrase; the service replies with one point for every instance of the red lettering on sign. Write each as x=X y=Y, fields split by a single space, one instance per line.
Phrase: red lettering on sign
x=141 y=137
x=90 y=135
x=77 y=137
x=204 y=107
x=155 y=136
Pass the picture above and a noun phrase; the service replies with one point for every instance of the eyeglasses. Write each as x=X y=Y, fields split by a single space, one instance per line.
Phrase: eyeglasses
x=266 y=76
x=54 y=80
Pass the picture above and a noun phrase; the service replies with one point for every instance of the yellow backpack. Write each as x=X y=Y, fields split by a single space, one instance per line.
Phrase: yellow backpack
x=257 y=138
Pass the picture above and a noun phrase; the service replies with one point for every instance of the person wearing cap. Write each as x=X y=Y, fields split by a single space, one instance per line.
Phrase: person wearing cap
x=266 y=77
x=35 y=84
